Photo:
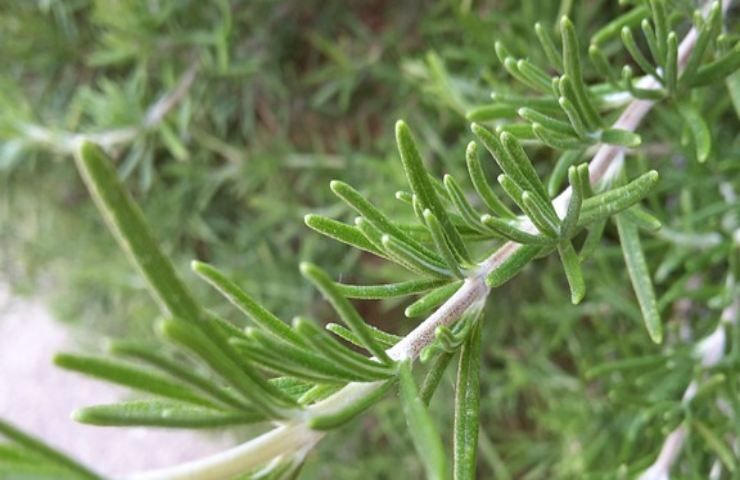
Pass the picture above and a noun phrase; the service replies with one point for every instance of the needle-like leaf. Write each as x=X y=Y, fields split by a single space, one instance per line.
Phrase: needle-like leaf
x=512 y=265
x=431 y=300
x=184 y=372
x=158 y=413
x=345 y=310
x=572 y=267
x=441 y=243
x=418 y=179
x=389 y=290
x=481 y=185
x=548 y=46
x=617 y=199
x=508 y=230
x=130 y=376
x=126 y=221
x=699 y=130
x=341 y=232
x=421 y=427
x=467 y=406
x=39 y=448
x=634 y=257
x=239 y=298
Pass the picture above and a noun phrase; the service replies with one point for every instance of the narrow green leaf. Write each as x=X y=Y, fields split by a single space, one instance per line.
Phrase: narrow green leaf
x=706 y=32
x=317 y=360
x=535 y=83
x=508 y=230
x=349 y=410
x=372 y=235
x=617 y=199
x=272 y=361
x=178 y=369
x=441 y=243
x=715 y=443
x=573 y=70
x=421 y=427
x=570 y=222
x=554 y=140
x=467 y=406
x=612 y=29
x=434 y=376
x=411 y=258
x=354 y=199
x=157 y=413
x=382 y=337
x=512 y=264
x=634 y=258
x=432 y=300
x=422 y=187
x=642 y=218
x=222 y=360
x=319 y=392
x=43 y=450
x=545 y=103
x=642 y=363
x=501 y=155
x=699 y=130
x=130 y=376
x=346 y=311
x=671 y=63
x=389 y=290
x=641 y=93
x=501 y=52
x=341 y=232
x=560 y=171
x=718 y=69
x=240 y=299
x=539 y=215
x=629 y=42
x=127 y=223
x=660 y=19
x=291 y=386
x=573 y=273
x=550 y=123
x=334 y=351
x=466 y=210
x=602 y=65
x=652 y=42
x=512 y=189
x=576 y=122
x=524 y=165
x=487 y=113
x=534 y=74
x=548 y=46
x=481 y=185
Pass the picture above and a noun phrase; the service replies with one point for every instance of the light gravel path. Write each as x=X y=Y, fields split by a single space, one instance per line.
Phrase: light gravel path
x=38 y=397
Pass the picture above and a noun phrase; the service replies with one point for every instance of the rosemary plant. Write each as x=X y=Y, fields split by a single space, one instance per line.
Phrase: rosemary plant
x=305 y=379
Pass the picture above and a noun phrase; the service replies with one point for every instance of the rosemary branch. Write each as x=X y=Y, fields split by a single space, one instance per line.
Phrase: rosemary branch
x=294 y=435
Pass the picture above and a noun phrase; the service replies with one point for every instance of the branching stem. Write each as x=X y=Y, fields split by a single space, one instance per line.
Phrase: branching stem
x=69 y=142
x=295 y=436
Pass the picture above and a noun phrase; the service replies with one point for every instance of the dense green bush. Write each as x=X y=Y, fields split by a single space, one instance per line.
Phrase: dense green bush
x=226 y=120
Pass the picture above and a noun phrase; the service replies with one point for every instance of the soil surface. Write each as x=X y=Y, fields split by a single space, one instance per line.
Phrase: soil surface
x=39 y=397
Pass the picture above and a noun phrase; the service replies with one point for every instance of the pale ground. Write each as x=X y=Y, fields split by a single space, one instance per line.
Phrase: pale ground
x=39 y=397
